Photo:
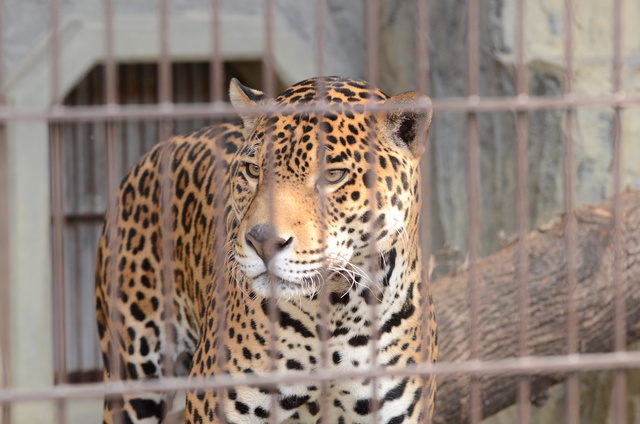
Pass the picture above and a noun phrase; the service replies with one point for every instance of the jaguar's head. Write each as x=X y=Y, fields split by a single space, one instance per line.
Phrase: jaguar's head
x=316 y=192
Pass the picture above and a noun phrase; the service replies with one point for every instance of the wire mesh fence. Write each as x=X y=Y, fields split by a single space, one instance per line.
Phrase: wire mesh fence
x=121 y=110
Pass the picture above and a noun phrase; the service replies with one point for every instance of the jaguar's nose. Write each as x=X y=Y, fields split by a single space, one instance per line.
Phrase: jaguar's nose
x=264 y=239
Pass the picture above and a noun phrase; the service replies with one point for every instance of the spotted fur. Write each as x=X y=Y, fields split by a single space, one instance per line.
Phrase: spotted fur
x=317 y=204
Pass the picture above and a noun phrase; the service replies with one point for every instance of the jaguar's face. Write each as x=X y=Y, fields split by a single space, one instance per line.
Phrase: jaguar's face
x=315 y=194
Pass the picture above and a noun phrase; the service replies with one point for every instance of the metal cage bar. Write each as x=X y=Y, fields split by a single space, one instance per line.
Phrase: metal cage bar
x=5 y=275
x=522 y=208
x=572 y=399
x=473 y=183
x=620 y=330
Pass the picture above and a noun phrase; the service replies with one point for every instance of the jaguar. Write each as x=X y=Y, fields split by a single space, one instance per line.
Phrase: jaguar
x=287 y=245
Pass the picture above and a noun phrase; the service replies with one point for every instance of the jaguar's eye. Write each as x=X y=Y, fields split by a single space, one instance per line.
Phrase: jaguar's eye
x=253 y=170
x=334 y=176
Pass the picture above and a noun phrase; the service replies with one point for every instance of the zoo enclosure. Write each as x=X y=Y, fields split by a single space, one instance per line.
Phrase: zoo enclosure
x=112 y=115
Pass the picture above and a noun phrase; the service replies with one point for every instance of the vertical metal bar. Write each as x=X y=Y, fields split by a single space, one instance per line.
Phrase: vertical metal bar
x=423 y=66
x=111 y=71
x=216 y=94
x=268 y=72
x=5 y=278
x=571 y=224
x=321 y=35
x=522 y=208
x=620 y=339
x=79 y=287
x=373 y=41
x=165 y=98
x=323 y=293
x=55 y=53
x=473 y=157
x=5 y=281
x=423 y=70
x=164 y=62
x=217 y=65
x=164 y=67
x=373 y=44
x=274 y=316
x=219 y=237
x=114 y=295
x=111 y=97
x=57 y=207
x=268 y=80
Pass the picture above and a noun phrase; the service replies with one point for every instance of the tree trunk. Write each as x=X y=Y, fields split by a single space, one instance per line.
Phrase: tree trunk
x=498 y=291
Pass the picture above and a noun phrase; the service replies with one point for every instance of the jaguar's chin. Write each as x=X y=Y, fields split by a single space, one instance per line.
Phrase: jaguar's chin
x=268 y=284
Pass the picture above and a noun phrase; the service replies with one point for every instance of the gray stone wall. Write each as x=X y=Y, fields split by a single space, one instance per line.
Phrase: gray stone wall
x=547 y=129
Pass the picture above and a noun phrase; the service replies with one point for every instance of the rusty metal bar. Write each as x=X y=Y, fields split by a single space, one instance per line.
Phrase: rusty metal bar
x=5 y=272
x=620 y=396
x=164 y=66
x=372 y=72
x=164 y=61
x=268 y=68
x=216 y=94
x=113 y=177
x=5 y=276
x=56 y=98
x=323 y=292
x=3 y=100
x=321 y=35
x=57 y=209
x=167 y=189
x=111 y=71
x=505 y=367
x=269 y=85
x=216 y=60
x=423 y=70
x=174 y=111
x=373 y=41
x=572 y=384
x=522 y=211
x=423 y=66
x=274 y=314
x=79 y=288
x=473 y=182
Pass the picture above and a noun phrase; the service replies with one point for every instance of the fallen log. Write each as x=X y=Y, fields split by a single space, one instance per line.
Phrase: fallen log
x=499 y=312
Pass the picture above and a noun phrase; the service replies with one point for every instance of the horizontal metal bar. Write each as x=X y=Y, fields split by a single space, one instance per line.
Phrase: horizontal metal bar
x=85 y=216
x=223 y=110
x=505 y=367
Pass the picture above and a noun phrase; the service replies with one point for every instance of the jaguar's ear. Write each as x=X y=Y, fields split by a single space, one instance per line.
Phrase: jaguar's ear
x=243 y=98
x=409 y=123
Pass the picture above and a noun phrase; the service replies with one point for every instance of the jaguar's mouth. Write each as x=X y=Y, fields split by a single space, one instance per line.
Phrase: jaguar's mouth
x=267 y=284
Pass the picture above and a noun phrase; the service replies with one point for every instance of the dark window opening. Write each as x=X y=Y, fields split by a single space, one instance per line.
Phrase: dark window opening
x=85 y=180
